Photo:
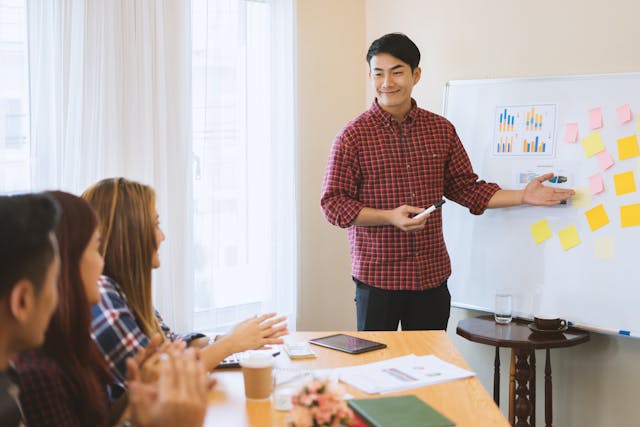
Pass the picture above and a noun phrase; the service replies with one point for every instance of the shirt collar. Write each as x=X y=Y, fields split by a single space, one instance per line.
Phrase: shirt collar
x=386 y=117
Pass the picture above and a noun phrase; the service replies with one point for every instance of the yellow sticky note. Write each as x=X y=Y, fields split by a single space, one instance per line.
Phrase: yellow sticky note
x=630 y=215
x=604 y=248
x=592 y=144
x=597 y=217
x=569 y=237
x=582 y=198
x=541 y=231
x=624 y=182
x=628 y=147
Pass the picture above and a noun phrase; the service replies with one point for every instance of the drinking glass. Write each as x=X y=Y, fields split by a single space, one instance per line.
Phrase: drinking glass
x=503 y=307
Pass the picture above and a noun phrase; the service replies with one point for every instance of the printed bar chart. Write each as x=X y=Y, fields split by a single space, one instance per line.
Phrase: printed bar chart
x=506 y=122
x=534 y=146
x=505 y=145
x=534 y=120
x=525 y=130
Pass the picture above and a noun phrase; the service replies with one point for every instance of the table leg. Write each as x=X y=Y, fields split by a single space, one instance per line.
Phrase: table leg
x=532 y=388
x=512 y=388
x=523 y=392
x=548 y=405
x=496 y=377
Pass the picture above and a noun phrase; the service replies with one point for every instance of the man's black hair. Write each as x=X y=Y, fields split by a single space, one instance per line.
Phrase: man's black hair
x=26 y=248
x=397 y=45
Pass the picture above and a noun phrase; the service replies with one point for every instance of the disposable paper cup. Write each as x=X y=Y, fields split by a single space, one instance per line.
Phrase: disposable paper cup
x=257 y=371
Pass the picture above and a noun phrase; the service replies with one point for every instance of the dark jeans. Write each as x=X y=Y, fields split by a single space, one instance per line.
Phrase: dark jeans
x=382 y=310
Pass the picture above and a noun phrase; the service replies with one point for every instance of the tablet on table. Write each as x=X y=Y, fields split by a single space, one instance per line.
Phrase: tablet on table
x=347 y=343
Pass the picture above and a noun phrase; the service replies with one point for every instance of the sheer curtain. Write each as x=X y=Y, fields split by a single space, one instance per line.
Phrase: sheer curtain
x=110 y=96
x=15 y=147
x=244 y=177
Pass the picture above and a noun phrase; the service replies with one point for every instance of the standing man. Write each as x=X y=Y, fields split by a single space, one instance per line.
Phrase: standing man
x=386 y=166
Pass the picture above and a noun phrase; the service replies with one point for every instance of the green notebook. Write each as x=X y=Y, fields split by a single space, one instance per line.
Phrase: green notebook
x=398 y=411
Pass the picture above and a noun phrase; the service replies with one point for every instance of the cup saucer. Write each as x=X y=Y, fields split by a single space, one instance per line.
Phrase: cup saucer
x=537 y=330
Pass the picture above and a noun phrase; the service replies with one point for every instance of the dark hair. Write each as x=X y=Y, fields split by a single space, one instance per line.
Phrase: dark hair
x=68 y=340
x=26 y=248
x=397 y=45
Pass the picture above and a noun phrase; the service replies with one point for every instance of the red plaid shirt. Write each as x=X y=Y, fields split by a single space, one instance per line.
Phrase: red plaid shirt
x=378 y=163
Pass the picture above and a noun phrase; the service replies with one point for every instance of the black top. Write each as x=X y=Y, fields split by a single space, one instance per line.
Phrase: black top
x=10 y=411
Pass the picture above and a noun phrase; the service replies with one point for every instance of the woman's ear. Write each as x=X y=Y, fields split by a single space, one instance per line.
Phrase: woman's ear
x=22 y=300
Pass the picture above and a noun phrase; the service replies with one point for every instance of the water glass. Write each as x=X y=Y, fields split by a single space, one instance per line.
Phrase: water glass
x=503 y=308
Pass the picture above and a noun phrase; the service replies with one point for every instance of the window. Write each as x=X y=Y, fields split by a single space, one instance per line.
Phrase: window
x=244 y=194
x=97 y=117
x=14 y=99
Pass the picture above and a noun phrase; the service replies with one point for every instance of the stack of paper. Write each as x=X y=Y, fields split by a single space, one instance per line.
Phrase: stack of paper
x=401 y=373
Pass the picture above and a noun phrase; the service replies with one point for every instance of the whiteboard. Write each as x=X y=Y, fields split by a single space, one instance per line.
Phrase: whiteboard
x=594 y=284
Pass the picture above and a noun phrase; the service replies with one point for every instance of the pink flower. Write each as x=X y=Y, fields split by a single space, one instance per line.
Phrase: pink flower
x=319 y=403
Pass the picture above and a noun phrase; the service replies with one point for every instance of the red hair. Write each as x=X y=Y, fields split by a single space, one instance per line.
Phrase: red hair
x=68 y=339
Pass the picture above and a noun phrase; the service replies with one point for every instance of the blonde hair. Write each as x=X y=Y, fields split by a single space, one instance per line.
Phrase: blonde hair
x=126 y=213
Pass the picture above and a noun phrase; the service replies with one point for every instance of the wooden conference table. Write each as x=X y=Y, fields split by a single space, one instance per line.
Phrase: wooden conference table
x=464 y=401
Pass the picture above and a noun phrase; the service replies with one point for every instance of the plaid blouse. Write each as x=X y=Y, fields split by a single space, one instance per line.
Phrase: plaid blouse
x=379 y=163
x=44 y=394
x=116 y=331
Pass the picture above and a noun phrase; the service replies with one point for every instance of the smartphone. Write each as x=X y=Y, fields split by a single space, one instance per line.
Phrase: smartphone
x=299 y=350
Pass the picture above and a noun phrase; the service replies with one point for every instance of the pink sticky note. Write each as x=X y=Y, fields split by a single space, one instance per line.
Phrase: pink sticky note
x=596 y=184
x=624 y=113
x=595 y=118
x=570 y=132
x=604 y=160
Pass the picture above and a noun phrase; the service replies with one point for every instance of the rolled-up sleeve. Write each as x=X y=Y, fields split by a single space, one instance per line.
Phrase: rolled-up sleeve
x=462 y=184
x=340 y=185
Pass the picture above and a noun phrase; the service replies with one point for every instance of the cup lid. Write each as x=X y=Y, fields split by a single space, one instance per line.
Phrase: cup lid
x=256 y=360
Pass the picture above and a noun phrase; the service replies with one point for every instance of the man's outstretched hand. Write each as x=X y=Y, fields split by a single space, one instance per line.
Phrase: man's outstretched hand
x=537 y=194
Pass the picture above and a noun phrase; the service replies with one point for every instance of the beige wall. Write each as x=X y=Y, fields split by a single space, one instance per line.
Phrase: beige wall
x=330 y=39
x=595 y=384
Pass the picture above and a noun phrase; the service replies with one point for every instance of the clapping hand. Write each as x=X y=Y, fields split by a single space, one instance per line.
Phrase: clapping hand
x=178 y=398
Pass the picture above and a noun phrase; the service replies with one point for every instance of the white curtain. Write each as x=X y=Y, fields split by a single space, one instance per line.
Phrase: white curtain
x=111 y=85
x=244 y=182
x=110 y=96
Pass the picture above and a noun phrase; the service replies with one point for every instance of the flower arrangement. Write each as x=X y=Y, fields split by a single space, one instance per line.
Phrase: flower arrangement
x=318 y=404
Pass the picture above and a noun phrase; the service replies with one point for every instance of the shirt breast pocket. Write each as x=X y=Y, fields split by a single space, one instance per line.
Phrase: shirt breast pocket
x=381 y=169
x=435 y=162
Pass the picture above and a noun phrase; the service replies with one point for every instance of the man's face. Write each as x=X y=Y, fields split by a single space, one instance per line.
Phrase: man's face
x=44 y=303
x=392 y=80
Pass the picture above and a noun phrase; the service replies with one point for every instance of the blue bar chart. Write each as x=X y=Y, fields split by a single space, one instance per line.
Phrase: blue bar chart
x=525 y=130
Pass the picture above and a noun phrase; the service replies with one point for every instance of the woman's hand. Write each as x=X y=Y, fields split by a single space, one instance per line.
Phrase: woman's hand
x=146 y=360
x=256 y=332
x=179 y=398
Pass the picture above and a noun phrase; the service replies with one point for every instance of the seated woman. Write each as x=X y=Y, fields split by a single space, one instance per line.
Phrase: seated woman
x=65 y=382
x=125 y=318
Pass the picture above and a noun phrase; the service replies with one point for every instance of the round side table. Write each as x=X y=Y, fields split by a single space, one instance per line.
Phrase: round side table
x=523 y=342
